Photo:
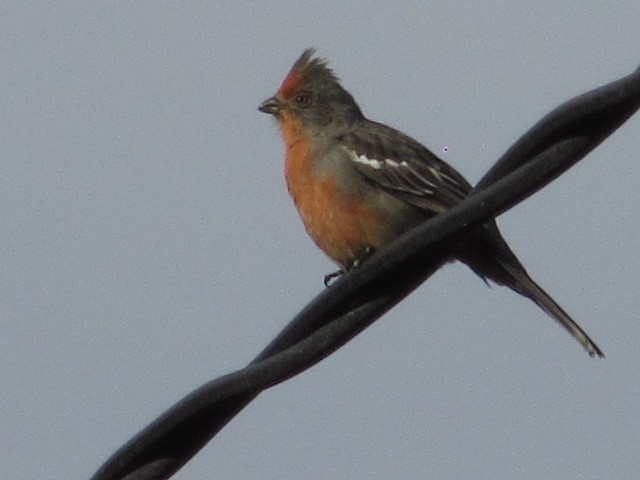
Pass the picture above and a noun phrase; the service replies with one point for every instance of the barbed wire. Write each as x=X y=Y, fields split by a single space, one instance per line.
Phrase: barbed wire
x=337 y=314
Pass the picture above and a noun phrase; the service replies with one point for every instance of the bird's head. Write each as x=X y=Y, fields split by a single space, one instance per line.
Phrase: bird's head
x=312 y=94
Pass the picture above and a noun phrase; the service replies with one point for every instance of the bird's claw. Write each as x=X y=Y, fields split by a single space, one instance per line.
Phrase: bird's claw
x=329 y=277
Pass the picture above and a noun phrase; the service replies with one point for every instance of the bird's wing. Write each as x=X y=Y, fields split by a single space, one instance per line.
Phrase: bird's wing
x=405 y=168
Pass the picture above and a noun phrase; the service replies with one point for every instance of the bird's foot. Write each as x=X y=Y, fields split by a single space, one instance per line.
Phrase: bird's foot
x=328 y=279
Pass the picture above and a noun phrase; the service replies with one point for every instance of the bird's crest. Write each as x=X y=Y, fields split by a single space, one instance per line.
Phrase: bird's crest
x=306 y=69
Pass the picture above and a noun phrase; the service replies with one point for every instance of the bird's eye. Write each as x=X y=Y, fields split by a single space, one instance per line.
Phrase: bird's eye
x=302 y=99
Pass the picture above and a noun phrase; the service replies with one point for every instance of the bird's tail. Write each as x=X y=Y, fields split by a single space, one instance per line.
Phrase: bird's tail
x=527 y=287
x=490 y=257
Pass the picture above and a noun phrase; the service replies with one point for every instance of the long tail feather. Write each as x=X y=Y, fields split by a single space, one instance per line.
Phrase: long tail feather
x=527 y=287
x=488 y=254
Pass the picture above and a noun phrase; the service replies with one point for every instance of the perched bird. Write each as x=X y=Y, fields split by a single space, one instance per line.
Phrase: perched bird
x=359 y=184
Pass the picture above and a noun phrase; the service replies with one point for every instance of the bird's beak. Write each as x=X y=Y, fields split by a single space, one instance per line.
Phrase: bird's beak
x=271 y=105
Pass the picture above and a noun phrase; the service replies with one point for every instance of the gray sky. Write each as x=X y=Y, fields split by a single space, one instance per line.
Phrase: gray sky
x=148 y=244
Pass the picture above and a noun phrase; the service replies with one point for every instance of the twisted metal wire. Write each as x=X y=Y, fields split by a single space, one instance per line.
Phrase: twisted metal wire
x=554 y=144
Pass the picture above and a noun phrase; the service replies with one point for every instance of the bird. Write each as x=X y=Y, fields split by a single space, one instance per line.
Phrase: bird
x=359 y=184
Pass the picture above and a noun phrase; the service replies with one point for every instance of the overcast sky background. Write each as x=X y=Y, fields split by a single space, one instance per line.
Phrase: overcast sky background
x=147 y=242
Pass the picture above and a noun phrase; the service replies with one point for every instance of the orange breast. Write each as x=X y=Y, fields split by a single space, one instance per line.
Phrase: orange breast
x=339 y=223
